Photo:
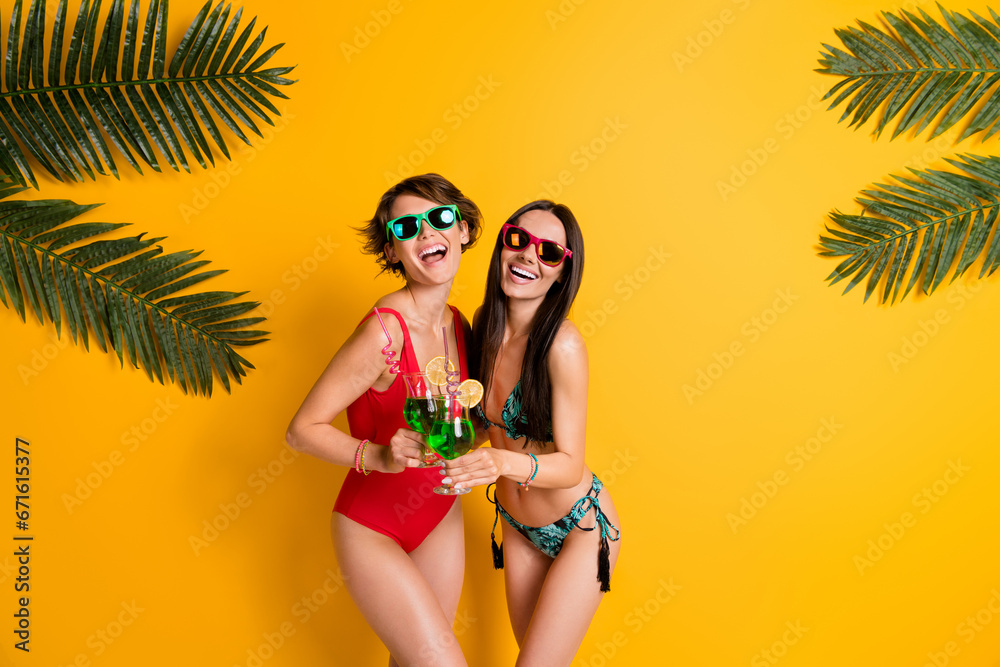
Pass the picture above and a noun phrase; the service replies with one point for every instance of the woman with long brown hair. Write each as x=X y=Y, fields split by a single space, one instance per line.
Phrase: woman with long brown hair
x=560 y=535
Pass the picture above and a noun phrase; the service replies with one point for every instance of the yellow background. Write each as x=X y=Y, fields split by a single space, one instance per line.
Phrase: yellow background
x=539 y=83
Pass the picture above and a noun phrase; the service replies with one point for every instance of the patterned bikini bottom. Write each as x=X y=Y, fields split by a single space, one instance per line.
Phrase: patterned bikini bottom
x=549 y=539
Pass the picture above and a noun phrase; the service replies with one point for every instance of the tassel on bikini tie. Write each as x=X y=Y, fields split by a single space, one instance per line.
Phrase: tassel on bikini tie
x=497 y=554
x=604 y=565
x=497 y=549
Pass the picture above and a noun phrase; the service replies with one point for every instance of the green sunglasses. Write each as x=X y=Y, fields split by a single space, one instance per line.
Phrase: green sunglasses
x=405 y=227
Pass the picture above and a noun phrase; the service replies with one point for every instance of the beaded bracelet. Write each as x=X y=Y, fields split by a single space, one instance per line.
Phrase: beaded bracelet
x=359 y=457
x=365 y=470
x=534 y=471
x=524 y=484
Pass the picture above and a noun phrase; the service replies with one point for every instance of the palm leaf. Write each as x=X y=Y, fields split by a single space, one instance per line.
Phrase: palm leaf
x=918 y=230
x=114 y=85
x=123 y=293
x=920 y=72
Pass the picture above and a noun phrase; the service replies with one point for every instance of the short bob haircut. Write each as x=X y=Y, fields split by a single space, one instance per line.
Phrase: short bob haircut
x=432 y=187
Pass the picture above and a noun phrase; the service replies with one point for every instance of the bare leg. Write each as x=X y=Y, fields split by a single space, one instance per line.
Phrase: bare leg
x=569 y=597
x=441 y=560
x=524 y=573
x=394 y=594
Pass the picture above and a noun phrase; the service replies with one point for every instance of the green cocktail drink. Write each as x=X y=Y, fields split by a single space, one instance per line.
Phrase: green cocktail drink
x=450 y=439
x=451 y=435
x=419 y=409
x=418 y=413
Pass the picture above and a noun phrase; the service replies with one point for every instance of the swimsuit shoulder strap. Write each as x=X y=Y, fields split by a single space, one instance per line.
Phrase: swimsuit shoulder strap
x=409 y=360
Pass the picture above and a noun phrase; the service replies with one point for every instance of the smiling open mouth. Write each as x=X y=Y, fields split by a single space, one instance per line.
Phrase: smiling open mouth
x=433 y=253
x=524 y=274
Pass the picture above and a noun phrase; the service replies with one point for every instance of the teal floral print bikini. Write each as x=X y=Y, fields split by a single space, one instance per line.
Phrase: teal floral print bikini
x=549 y=539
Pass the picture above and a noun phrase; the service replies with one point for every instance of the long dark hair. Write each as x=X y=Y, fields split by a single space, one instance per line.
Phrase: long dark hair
x=432 y=187
x=536 y=390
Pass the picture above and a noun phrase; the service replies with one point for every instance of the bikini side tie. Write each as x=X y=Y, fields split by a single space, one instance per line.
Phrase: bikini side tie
x=604 y=553
x=497 y=550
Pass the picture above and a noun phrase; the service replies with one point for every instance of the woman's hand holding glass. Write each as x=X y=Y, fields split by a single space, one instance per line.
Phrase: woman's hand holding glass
x=451 y=435
x=477 y=468
x=406 y=450
x=418 y=411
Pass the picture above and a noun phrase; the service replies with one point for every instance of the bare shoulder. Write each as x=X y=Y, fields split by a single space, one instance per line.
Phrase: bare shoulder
x=360 y=361
x=392 y=301
x=370 y=330
x=569 y=350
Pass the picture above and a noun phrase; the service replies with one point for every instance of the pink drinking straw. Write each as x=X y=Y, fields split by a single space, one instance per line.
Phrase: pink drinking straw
x=389 y=354
x=451 y=376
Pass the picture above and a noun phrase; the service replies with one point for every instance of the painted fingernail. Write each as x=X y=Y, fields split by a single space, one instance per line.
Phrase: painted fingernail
x=446 y=480
x=442 y=471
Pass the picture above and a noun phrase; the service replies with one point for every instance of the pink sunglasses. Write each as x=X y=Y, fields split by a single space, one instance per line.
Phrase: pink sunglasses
x=549 y=252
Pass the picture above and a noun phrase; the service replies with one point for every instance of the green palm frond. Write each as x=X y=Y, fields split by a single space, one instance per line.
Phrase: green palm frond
x=117 y=83
x=122 y=292
x=924 y=227
x=919 y=71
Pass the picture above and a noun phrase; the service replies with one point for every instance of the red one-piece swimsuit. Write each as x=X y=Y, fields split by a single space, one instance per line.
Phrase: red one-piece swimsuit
x=400 y=505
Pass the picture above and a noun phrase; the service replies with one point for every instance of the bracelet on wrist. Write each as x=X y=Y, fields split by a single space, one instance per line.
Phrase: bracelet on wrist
x=359 y=457
x=534 y=471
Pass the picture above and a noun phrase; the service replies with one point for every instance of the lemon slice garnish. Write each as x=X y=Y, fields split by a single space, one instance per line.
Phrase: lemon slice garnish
x=470 y=392
x=435 y=372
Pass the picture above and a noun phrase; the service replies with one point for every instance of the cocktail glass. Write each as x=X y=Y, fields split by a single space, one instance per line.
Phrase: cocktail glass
x=418 y=411
x=451 y=435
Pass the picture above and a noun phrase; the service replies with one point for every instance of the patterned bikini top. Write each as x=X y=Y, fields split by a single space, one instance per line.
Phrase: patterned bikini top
x=514 y=420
